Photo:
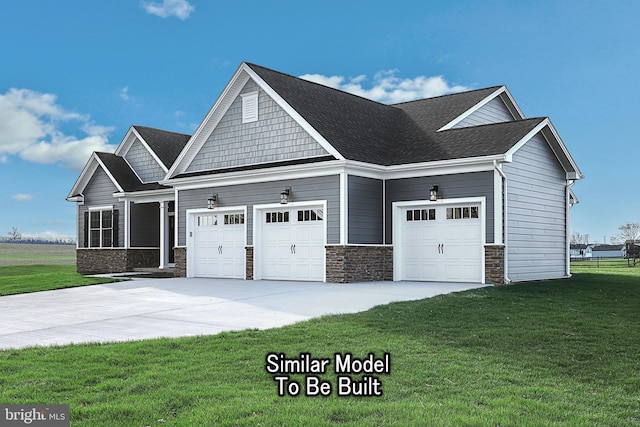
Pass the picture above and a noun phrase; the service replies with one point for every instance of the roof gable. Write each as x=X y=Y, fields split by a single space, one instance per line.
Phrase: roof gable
x=273 y=137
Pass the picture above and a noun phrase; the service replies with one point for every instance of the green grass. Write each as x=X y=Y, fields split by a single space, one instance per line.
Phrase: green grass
x=19 y=279
x=23 y=253
x=550 y=353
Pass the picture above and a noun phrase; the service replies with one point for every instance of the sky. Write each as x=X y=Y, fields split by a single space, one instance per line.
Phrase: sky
x=76 y=74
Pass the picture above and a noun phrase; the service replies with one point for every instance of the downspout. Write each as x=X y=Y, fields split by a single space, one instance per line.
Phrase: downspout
x=505 y=220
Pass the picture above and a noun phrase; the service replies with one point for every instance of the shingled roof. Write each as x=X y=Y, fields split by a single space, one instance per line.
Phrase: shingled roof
x=124 y=175
x=368 y=131
x=167 y=145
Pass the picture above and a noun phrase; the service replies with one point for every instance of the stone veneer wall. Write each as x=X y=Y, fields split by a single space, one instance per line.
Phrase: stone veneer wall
x=116 y=260
x=180 y=259
x=249 y=263
x=346 y=264
x=494 y=264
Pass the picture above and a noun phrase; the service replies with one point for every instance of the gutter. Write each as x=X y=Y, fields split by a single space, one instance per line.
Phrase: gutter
x=505 y=220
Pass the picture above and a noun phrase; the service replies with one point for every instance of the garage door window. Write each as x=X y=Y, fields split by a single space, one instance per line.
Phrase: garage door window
x=234 y=219
x=207 y=220
x=467 y=212
x=273 y=217
x=310 y=215
x=421 y=215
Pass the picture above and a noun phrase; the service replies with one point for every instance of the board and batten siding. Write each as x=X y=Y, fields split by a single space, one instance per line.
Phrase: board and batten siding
x=474 y=184
x=143 y=163
x=494 y=111
x=536 y=235
x=304 y=189
x=275 y=136
x=99 y=192
x=365 y=210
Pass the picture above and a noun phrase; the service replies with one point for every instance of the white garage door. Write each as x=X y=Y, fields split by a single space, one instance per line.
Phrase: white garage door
x=219 y=245
x=292 y=244
x=441 y=243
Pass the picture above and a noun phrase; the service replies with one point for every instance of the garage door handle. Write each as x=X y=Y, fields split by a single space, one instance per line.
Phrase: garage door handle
x=442 y=248
x=220 y=249
x=293 y=249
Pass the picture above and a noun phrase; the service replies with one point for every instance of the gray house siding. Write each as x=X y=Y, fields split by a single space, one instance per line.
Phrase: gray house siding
x=495 y=111
x=305 y=189
x=473 y=184
x=274 y=137
x=99 y=192
x=365 y=210
x=536 y=234
x=145 y=225
x=143 y=163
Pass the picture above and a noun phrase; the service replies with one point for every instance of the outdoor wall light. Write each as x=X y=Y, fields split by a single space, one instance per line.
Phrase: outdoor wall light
x=284 y=196
x=211 y=201
x=433 y=193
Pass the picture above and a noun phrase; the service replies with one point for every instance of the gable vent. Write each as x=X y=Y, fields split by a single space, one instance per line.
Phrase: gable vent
x=250 y=107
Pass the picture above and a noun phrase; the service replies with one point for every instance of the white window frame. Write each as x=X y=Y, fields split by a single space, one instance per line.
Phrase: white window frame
x=249 y=107
x=100 y=209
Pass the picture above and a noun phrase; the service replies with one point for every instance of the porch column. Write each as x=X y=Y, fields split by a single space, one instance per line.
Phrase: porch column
x=164 y=236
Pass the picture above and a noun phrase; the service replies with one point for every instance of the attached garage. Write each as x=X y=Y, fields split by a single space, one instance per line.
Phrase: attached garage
x=290 y=242
x=217 y=244
x=439 y=241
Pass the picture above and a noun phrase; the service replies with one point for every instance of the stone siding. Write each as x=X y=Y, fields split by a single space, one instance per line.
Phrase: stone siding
x=117 y=260
x=249 y=262
x=180 y=258
x=346 y=264
x=494 y=264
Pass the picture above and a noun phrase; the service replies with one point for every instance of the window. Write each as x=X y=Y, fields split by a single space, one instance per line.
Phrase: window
x=470 y=212
x=250 y=107
x=102 y=228
x=277 y=217
x=421 y=215
x=207 y=220
x=310 y=215
x=234 y=219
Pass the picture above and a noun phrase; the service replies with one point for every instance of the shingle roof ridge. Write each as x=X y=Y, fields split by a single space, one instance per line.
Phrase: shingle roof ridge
x=160 y=130
x=464 y=92
x=319 y=84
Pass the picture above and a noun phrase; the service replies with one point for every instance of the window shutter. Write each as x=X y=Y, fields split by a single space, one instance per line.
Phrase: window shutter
x=115 y=229
x=85 y=242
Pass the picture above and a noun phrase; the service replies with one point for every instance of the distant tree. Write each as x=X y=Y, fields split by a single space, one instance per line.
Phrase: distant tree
x=628 y=231
x=14 y=234
x=577 y=238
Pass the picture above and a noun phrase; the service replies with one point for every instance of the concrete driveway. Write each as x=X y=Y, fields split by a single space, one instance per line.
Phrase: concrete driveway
x=153 y=308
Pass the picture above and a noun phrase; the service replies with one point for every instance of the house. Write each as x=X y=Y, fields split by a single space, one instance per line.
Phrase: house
x=290 y=180
x=608 y=251
x=581 y=250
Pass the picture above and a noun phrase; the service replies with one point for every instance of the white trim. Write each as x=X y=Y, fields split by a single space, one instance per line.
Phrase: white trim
x=257 y=231
x=100 y=208
x=344 y=208
x=190 y=229
x=397 y=226
x=127 y=224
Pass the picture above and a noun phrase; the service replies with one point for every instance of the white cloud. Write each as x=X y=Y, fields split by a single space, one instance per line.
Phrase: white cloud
x=124 y=93
x=181 y=9
x=22 y=197
x=30 y=126
x=387 y=88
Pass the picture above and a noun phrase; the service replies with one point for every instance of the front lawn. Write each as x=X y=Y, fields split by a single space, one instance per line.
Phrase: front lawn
x=20 y=279
x=551 y=353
